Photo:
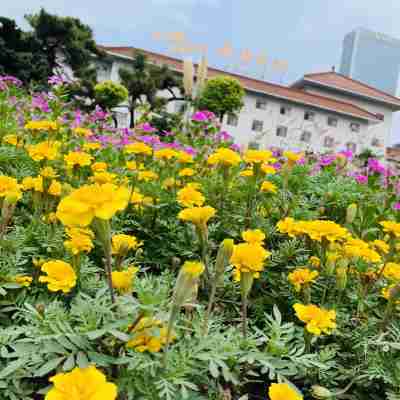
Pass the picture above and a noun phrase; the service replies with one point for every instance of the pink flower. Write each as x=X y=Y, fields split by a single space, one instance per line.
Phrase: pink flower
x=396 y=206
x=361 y=179
x=199 y=116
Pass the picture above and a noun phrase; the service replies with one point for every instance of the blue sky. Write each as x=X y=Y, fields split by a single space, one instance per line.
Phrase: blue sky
x=306 y=33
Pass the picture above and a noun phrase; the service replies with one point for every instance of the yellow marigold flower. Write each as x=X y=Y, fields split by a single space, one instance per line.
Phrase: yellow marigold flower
x=138 y=148
x=31 y=183
x=199 y=216
x=317 y=320
x=268 y=187
x=224 y=156
x=165 y=154
x=81 y=384
x=314 y=261
x=50 y=218
x=48 y=172
x=292 y=157
x=103 y=177
x=92 y=201
x=302 y=276
x=84 y=132
x=149 y=334
x=78 y=158
x=79 y=240
x=316 y=230
x=122 y=280
x=268 y=169
x=9 y=188
x=283 y=391
x=136 y=198
x=121 y=244
x=99 y=166
x=189 y=197
x=49 y=126
x=23 y=280
x=43 y=151
x=183 y=157
x=60 y=276
x=11 y=139
x=193 y=268
x=134 y=166
x=55 y=188
x=391 y=227
x=257 y=156
x=249 y=257
x=247 y=173
x=170 y=183
x=187 y=172
x=91 y=146
x=381 y=246
x=253 y=236
x=147 y=176
x=386 y=292
x=357 y=248
x=391 y=271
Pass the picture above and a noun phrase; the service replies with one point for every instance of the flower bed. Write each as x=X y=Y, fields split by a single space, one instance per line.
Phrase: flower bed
x=137 y=264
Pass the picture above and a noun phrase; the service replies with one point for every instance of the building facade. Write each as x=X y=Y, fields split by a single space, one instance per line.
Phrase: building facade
x=322 y=112
x=372 y=58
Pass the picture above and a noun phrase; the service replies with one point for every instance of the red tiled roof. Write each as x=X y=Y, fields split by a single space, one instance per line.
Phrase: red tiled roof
x=334 y=80
x=274 y=90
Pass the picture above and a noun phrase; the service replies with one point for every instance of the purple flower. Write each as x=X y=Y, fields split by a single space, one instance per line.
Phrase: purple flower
x=223 y=136
x=56 y=80
x=327 y=160
x=167 y=133
x=199 y=116
x=396 y=206
x=146 y=127
x=277 y=166
x=361 y=179
x=375 y=166
x=190 y=150
x=39 y=101
x=8 y=80
x=347 y=154
x=235 y=147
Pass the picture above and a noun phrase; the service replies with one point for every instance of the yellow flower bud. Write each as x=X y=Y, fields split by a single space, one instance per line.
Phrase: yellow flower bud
x=320 y=392
x=351 y=213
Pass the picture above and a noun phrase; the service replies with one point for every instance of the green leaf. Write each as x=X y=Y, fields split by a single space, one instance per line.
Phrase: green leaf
x=82 y=360
x=12 y=367
x=213 y=368
x=49 y=366
x=69 y=363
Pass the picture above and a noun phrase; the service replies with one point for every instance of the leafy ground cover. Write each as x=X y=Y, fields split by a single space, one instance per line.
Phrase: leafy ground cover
x=139 y=264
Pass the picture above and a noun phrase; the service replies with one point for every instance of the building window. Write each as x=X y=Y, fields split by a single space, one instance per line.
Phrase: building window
x=309 y=115
x=355 y=127
x=375 y=142
x=233 y=120
x=281 y=131
x=329 y=141
x=257 y=125
x=332 y=121
x=261 y=104
x=285 y=110
x=254 y=145
x=351 y=146
x=305 y=136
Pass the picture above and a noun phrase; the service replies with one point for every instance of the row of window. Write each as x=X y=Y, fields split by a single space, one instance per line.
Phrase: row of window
x=258 y=125
x=282 y=131
x=309 y=115
x=349 y=145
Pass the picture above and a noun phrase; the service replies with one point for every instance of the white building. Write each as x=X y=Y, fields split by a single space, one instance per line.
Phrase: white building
x=321 y=112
